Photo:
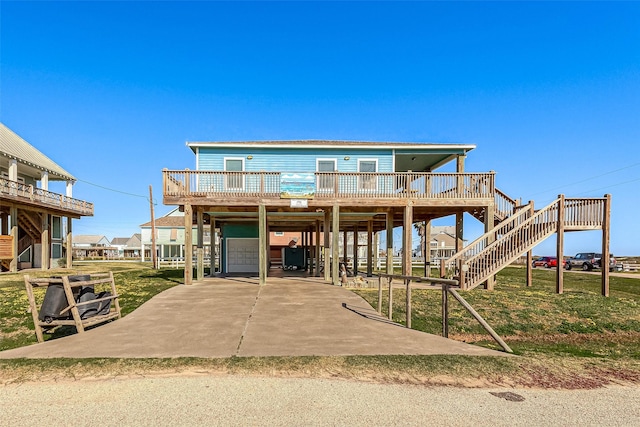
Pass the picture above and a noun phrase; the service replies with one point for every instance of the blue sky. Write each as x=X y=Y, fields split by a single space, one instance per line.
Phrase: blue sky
x=549 y=92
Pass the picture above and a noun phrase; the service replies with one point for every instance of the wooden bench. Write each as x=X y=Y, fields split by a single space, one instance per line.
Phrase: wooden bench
x=100 y=279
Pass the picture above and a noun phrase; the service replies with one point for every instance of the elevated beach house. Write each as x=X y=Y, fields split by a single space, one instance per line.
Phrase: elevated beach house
x=249 y=189
x=35 y=223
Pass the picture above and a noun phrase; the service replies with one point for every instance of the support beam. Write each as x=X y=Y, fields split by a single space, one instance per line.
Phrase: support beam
x=390 y=242
x=488 y=225
x=370 y=248
x=13 y=264
x=560 y=246
x=427 y=248
x=188 y=244
x=460 y=231
x=407 y=241
x=530 y=268
x=200 y=244
x=606 y=237
x=327 y=243
x=46 y=242
x=317 y=269
x=355 y=250
x=213 y=248
x=345 y=244
x=262 y=243
x=335 y=243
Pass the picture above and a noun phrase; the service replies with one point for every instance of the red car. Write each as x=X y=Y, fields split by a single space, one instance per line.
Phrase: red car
x=546 y=262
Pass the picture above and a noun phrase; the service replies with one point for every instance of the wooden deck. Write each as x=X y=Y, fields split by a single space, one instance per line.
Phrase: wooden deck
x=249 y=188
x=28 y=195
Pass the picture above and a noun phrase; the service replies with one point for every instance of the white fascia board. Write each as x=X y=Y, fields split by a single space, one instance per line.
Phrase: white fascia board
x=330 y=144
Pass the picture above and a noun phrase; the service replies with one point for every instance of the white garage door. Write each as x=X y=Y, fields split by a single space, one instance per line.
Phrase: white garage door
x=242 y=255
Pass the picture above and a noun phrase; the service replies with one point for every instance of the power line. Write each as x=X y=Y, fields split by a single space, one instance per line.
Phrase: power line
x=114 y=190
x=589 y=179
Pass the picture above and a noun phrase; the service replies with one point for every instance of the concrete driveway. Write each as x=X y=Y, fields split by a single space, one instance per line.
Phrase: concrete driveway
x=224 y=317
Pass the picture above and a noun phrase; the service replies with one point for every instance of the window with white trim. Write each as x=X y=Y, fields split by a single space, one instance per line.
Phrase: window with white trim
x=234 y=181
x=368 y=179
x=325 y=182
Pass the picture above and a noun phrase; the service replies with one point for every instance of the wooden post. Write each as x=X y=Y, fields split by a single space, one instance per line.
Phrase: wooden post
x=407 y=243
x=408 y=303
x=46 y=242
x=489 y=216
x=530 y=268
x=355 y=250
x=445 y=310
x=345 y=243
x=426 y=237
x=606 y=237
x=370 y=248
x=480 y=320
x=213 y=248
x=200 y=244
x=389 y=241
x=188 y=245
x=327 y=247
x=560 y=246
x=154 y=256
x=459 y=231
x=390 y=313
x=69 y=242
x=335 y=243
x=317 y=270
x=379 y=307
x=262 y=243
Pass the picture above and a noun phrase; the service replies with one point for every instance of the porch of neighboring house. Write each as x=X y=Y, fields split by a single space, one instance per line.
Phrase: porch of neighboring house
x=36 y=226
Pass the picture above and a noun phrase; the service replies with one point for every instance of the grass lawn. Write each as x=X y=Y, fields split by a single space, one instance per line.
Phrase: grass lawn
x=136 y=283
x=575 y=340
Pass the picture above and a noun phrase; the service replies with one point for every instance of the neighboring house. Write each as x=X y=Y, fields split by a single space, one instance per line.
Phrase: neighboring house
x=35 y=223
x=133 y=247
x=93 y=247
x=249 y=189
x=120 y=243
x=170 y=237
x=128 y=247
x=443 y=242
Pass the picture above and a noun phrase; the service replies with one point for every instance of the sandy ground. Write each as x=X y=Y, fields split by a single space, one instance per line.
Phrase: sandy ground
x=258 y=401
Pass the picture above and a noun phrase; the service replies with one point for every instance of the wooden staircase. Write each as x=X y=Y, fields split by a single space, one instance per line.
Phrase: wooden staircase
x=505 y=207
x=517 y=234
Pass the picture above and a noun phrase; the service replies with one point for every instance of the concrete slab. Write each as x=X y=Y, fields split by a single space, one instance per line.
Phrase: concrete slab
x=237 y=317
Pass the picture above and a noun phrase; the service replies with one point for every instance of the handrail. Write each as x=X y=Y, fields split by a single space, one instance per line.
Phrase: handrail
x=230 y=184
x=446 y=287
x=481 y=243
x=29 y=193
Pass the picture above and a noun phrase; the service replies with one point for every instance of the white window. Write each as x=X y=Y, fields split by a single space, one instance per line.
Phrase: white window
x=325 y=182
x=368 y=169
x=234 y=180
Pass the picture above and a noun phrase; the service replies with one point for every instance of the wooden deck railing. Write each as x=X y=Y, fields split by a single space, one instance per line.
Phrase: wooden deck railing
x=331 y=185
x=28 y=193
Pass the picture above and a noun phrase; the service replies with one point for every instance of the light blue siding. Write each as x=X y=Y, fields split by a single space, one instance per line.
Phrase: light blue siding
x=291 y=159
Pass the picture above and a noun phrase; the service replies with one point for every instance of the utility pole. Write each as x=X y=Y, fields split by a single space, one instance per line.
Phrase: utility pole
x=154 y=257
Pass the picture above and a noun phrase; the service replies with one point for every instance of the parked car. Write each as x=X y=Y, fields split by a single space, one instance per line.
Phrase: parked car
x=587 y=261
x=546 y=262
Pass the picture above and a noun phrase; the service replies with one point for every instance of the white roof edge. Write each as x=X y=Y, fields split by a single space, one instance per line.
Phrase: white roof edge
x=333 y=144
